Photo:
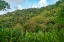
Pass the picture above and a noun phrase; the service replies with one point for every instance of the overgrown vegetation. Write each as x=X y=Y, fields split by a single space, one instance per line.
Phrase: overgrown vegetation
x=34 y=19
x=45 y=24
x=11 y=35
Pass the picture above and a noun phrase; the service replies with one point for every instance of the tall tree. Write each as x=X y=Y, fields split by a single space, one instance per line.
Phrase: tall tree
x=4 y=5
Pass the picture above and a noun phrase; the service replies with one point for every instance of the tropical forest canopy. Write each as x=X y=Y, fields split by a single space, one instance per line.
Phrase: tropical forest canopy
x=34 y=19
x=45 y=24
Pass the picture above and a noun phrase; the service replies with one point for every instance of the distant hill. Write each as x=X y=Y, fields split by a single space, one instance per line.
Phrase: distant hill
x=32 y=19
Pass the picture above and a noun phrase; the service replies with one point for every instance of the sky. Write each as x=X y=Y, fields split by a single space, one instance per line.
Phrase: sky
x=25 y=4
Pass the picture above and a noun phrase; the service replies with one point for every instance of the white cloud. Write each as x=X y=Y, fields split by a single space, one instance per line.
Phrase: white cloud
x=16 y=4
x=19 y=7
x=5 y=11
x=35 y=6
x=2 y=12
x=14 y=1
x=41 y=3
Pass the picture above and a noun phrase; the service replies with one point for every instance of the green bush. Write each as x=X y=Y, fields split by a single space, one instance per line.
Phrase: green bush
x=11 y=35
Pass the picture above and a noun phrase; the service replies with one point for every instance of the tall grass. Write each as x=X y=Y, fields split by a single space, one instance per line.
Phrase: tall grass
x=11 y=35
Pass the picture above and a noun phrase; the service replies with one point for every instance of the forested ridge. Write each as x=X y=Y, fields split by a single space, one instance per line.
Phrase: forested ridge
x=30 y=19
x=45 y=24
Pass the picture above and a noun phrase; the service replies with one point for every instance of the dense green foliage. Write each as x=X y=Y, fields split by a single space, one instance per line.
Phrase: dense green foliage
x=4 y=5
x=34 y=19
x=11 y=35
x=60 y=18
x=45 y=24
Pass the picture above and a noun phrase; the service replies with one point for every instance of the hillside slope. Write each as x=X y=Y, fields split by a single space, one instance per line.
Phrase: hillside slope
x=33 y=19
